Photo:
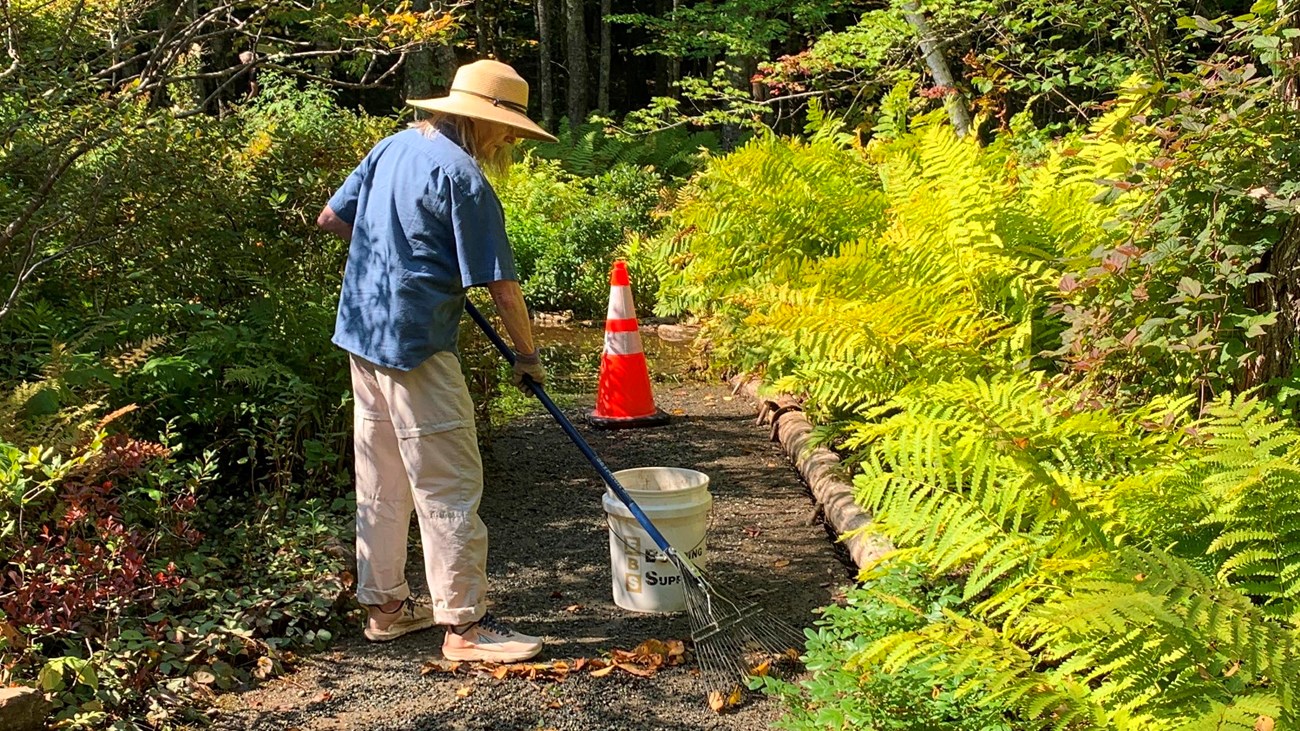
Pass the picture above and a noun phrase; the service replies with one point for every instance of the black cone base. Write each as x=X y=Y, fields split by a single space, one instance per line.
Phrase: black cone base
x=659 y=418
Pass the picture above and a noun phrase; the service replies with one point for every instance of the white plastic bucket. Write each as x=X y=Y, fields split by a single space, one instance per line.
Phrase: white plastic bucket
x=677 y=501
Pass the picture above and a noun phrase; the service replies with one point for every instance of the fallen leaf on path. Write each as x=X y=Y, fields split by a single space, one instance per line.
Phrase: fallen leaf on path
x=716 y=701
x=753 y=531
x=440 y=666
x=762 y=668
x=321 y=698
x=640 y=672
x=679 y=412
x=464 y=691
x=782 y=563
x=264 y=667
x=643 y=661
x=574 y=608
x=719 y=703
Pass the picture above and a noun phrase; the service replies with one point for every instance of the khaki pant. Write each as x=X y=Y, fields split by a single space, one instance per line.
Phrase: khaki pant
x=416 y=449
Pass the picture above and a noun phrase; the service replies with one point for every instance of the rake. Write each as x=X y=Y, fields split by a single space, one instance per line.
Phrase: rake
x=731 y=635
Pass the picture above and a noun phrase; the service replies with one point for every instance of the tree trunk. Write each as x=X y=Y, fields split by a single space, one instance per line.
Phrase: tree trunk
x=1279 y=293
x=417 y=81
x=675 y=67
x=546 y=90
x=444 y=65
x=742 y=70
x=602 y=93
x=577 y=60
x=939 y=69
x=485 y=38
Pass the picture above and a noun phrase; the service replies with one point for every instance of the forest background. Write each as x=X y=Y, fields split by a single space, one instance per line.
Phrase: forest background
x=1031 y=265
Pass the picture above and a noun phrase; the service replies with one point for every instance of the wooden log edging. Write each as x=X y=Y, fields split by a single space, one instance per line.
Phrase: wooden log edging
x=820 y=468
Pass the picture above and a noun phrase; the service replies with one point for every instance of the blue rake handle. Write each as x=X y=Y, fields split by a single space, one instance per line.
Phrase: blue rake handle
x=569 y=429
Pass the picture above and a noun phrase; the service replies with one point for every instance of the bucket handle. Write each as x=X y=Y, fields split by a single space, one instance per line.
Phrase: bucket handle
x=614 y=532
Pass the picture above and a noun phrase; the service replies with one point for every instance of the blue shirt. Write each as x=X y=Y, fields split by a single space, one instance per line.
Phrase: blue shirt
x=425 y=226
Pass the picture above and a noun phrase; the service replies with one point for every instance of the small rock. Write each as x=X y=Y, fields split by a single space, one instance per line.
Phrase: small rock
x=22 y=709
x=552 y=319
x=677 y=333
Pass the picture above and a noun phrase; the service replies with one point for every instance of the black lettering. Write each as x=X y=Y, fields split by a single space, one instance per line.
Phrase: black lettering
x=654 y=579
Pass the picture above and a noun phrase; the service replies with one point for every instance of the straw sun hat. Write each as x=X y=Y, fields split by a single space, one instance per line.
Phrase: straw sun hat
x=488 y=90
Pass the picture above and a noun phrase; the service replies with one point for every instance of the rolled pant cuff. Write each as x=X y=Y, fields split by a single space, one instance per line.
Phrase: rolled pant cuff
x=450 y=617
x=376 y=597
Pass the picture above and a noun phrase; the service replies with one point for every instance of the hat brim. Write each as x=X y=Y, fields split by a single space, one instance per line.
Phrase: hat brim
x=476 y=108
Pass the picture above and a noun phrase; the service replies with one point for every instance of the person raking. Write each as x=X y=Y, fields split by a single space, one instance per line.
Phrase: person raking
x=423 y=225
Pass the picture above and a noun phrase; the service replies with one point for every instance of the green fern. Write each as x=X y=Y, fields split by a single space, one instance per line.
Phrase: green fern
x=848 y=273
x=1030 y=501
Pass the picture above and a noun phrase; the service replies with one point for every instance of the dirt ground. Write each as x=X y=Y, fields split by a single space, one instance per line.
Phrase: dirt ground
x=550 y=571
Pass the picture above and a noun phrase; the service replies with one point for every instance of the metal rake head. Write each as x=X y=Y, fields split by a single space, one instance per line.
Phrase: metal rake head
x=732 y=637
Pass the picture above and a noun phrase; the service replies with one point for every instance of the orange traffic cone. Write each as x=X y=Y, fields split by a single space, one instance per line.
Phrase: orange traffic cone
x=623 y=397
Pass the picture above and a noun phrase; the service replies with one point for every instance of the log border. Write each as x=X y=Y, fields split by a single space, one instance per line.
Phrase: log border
x=820 y=469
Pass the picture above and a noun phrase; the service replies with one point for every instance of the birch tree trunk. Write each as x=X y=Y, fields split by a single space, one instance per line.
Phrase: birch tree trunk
x=938 y=65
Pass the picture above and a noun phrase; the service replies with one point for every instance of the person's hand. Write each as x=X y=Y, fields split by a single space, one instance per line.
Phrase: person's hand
x=528 y=365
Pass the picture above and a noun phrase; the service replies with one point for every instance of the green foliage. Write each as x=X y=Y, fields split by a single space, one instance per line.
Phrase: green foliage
x=1080 y=611
x=126 y=595
x=1056 y=59
x=128 y=584
x=849 y=273
x=749 y=217
x=1192 y=303
x=921 y=696
x=1114 y=537
x=565 y=231
x=591 y=150
x=226 y=282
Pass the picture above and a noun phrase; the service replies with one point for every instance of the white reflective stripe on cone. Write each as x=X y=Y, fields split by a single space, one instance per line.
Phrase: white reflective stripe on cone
x=628 y=343
x=620 y=303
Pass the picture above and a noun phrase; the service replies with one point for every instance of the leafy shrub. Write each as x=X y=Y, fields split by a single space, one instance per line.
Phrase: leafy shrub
x=896 y=597
x=139 y=575
x=589 y=150
x=566 y=231
x=126 y=595
x=228 y=281
x=1194 y=303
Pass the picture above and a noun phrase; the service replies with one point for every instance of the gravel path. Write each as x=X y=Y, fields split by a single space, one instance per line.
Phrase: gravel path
x=549 y=553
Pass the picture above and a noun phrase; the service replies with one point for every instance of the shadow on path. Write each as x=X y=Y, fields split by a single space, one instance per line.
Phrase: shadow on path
x=550 y=573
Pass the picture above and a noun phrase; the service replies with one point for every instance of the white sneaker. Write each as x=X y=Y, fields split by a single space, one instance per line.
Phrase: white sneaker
x=488 y=640
x=383 y=626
